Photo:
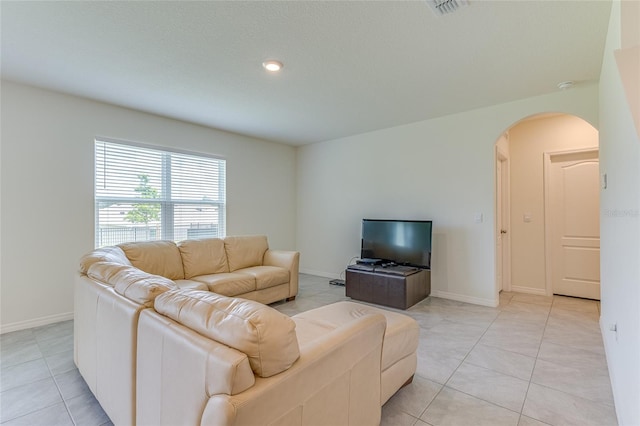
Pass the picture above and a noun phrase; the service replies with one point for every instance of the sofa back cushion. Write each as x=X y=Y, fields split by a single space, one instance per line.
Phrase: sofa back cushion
x=156 y=257
x=103 y=254
x=245 y=251
x=131 y=282
x=203 y=257
x=267 y=336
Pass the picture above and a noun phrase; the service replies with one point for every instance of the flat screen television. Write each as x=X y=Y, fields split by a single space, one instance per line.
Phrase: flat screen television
x=404 y=242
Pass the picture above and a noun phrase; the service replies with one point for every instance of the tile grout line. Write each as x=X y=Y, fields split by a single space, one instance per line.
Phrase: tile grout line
x=461 y=362
x=53 y=377
x=50 y=377
x=535 y=362
x=559 y=307
x=473 y=347
x=544 y=326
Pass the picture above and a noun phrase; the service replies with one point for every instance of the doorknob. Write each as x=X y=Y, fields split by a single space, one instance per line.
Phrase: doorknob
x=503 y=231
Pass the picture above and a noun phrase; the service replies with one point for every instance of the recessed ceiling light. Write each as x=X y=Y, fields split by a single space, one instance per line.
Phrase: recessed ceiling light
x=565 y=85
x=272 y=66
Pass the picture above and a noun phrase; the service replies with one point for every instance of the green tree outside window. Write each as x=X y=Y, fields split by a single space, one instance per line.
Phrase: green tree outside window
x=145 y=213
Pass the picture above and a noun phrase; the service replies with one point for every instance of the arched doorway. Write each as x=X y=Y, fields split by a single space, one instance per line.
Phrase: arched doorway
x=528 y=229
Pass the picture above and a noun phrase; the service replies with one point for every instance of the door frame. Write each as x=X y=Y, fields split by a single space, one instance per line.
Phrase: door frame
x=503 y=182
x=547 y=210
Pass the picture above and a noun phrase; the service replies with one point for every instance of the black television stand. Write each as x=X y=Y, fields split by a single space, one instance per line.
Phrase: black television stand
x=394 y=286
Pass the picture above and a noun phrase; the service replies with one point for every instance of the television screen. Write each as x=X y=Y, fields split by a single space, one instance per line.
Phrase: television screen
x=405 y=242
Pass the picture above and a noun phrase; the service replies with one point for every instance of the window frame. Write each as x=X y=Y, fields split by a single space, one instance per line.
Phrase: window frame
x=167 y=204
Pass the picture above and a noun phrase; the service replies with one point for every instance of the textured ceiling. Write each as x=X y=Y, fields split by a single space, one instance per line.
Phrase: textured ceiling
x=349 y=66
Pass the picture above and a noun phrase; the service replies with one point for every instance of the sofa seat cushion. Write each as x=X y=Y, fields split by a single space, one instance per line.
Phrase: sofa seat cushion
x=103 y=254
x=131 y=282
x=400 y=338
x=156 y=257
x=267 y=336
x=229 y=284
x=245 y=251
x=203 y=257
x=267 y=276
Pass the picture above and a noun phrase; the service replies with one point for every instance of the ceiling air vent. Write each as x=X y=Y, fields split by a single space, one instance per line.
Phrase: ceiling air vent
x=442 y=7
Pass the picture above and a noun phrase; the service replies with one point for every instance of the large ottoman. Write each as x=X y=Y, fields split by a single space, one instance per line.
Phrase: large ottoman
x=399 y=358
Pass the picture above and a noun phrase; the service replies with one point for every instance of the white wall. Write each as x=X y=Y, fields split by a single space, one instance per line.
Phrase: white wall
x=47 y=190
x=440 y=169
x=620 y=233
x=528 y=141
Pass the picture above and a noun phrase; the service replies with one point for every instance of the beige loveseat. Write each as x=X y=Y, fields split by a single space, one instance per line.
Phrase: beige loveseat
x=241 y=266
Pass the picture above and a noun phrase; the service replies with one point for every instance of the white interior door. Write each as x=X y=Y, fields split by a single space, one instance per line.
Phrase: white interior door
x=573 y=219
x=499 y=245
x=502 y=224
x=504 y=229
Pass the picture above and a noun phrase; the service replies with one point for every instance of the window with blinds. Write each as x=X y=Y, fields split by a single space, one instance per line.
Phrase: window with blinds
x=143 y=194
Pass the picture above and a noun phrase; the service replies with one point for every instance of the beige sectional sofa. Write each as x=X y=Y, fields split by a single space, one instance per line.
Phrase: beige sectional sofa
x=115 y=284
x=159 y=344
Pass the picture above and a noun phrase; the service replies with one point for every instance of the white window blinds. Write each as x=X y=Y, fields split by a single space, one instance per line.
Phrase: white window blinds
x=150 y=194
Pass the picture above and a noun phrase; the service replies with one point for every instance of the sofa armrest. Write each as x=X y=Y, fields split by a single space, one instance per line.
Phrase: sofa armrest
x=289 y=260
x=105 y=327
x=336 y=380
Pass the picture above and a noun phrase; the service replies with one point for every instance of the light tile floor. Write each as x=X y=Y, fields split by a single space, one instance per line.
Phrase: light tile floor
x=534 y=360
x=40 y=384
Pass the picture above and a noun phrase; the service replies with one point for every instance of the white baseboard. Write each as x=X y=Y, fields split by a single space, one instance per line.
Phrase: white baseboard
x=529 y=290
x=467 y=299
x=320 y=274
x=37 y=322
